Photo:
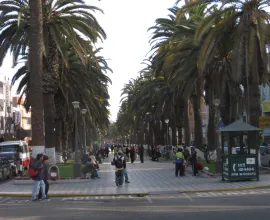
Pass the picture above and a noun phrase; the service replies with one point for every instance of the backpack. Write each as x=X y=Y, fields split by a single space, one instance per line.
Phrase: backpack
x=119 y=162
x=32 y=173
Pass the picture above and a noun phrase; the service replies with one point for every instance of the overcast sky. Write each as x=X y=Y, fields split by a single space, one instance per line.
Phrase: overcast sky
x=126 y=23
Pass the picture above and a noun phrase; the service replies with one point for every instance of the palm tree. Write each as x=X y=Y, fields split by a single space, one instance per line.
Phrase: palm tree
x=35 y=66
x=88 y=80
x=64 y=20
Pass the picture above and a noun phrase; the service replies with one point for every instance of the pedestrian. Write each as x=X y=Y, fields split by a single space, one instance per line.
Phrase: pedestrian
x=115 y=150
x=120 y=165
x=38 y=179
x=132 y=155
x=127 y=153
x=194 y=161
x=141 y=151
x=179 y=162
x=107 y=151
x=126 y=175
x=45 y=176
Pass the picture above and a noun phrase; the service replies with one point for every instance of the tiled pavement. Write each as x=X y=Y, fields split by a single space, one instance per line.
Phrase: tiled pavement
x=151 y=177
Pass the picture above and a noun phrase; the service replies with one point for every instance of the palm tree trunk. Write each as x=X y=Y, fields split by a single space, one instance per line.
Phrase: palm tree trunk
x=211 y=130
x=35 y=65
x=173 y=124
x=157 y=132
x=254 y=104
x=50 y=79
x=196 y=101
x=186 y=122
x=64 y=136
x=48 y=102
x=180 y=135
x=58 y=140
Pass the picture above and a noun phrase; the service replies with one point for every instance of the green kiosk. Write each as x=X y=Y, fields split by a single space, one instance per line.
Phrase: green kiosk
x=240 y=147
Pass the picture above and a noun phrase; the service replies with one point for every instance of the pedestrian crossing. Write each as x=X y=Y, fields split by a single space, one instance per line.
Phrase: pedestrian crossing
x=89 y=198
x=191 y=196
x=233 y=193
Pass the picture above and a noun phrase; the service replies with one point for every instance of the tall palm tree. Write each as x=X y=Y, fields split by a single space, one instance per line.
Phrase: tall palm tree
x=35 y=66
x=64 y=20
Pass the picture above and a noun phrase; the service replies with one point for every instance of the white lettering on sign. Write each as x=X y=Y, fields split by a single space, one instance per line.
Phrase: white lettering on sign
x=250 y=161
x=241 y=165
x=234 y=167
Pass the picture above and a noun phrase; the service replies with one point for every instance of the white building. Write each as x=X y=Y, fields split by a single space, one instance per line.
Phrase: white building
x=5 y=106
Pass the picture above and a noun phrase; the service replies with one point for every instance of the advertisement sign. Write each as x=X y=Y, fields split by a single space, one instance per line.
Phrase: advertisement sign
x=264 y=122
x=244 y=167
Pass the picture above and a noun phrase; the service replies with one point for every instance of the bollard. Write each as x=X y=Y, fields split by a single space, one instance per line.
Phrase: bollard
x=54 y=172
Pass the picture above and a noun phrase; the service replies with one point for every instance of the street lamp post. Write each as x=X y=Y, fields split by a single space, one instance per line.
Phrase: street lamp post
x=84 y=130
x=167 y=123
x=99 y=140
x=77 y=165
x=216 y=102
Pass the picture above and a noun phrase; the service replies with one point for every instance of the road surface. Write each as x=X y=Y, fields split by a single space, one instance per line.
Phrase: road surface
x=242 y=205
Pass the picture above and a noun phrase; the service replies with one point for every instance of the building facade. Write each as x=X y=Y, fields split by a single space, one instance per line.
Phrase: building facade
x=5 y=107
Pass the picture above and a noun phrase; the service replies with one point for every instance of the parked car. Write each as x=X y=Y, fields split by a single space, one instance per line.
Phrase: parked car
x=17 y=153
x=5 y=168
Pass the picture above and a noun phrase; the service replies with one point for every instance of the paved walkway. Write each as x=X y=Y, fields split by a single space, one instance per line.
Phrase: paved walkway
x=149 y=177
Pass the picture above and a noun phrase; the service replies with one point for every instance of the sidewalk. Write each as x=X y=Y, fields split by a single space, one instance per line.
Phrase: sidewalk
x=147 y=178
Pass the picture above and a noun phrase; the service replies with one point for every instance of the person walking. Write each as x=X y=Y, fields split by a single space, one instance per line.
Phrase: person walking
x=45 y=177
x=132 y=155
x=194 y=161
x=120 y=165
x=141 y=152
x=38 y=179
x=179 y=162
x=115 y=150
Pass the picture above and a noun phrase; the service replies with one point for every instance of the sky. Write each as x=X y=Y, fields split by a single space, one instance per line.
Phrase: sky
x=126 y=23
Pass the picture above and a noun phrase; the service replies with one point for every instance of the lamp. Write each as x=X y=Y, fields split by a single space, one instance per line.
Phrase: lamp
x=76 y=104
x=216 y=102
x=83 y=111
x=77 y=165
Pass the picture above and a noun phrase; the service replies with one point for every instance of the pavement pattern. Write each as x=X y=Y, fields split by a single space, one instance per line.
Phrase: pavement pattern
x=149 y=177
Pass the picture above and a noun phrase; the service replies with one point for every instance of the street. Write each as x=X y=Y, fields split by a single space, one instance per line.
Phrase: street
x=241 y=206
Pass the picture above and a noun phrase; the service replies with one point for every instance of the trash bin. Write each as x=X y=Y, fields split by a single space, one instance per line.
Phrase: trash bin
x=54 y=172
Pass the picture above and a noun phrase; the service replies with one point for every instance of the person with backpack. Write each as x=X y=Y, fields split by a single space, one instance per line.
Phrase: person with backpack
x=45 y=176
x=120 y=165
x=37 y=174
x=179 y=162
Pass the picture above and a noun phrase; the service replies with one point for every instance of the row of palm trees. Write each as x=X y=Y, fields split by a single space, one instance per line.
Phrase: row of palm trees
x=55 y=40
x=203 y=51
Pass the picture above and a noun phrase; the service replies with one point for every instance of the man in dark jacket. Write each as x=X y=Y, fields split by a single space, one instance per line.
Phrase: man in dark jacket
x=38 y=179
x=45 y=177
x=120 y=165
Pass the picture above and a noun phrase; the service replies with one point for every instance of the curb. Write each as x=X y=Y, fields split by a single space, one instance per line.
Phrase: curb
x=139 y=194
x=226 y=189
